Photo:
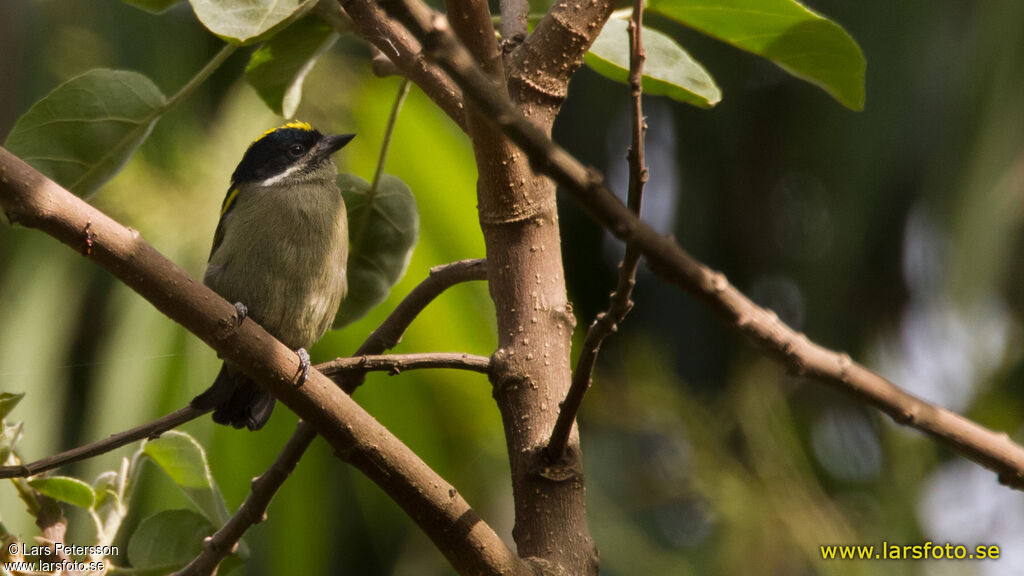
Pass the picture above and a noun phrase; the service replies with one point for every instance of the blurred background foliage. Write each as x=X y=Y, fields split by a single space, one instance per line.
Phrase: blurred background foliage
x=891 y=234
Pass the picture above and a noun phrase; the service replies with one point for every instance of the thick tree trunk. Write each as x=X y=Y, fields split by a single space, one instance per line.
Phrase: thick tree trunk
x=532 y=372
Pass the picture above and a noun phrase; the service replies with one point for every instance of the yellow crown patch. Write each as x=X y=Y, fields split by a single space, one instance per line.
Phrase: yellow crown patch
x=297 y=124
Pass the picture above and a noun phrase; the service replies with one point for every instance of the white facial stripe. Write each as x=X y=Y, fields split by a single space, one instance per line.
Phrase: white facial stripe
x=275 y=179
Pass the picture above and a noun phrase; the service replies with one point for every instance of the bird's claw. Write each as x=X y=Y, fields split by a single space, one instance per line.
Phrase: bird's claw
x=241 y=313
x=303 y=367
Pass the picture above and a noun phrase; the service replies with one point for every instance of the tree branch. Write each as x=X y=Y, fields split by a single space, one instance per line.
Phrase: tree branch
x=386 y=336
x=620 y=303
x=513 y=23
x=340 y=369
x=532 y=368
x=148 y=430
x=394 y=364
x=402 y=49
x=253 y=511
x=540 y=68
x=30 y=199
x=667 y=259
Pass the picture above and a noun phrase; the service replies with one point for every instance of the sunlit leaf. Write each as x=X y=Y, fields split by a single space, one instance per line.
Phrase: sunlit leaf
x=383 y=228
x=668 y=70
x=154 y=6
x=184 y=460
x=83 y=133
x=786 y=32
x=167 y=540
x=279 y=67
x=65 y=489
x=248 y=21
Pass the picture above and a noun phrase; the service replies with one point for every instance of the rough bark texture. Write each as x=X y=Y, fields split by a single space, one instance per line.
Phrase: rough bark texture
x=531 y=368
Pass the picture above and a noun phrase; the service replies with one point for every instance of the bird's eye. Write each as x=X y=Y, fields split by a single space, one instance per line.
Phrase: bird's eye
x=296 y=150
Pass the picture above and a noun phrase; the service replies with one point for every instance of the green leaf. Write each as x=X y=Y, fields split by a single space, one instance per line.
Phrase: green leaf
x=184 y=460
x=668 y=71
x=154 y=6
x=383 y=228
x=786 y=32
x=8 y=400
x=65 y=489
x=167 y=540
x=248 y=21
x=279 y=67
x=83 y=133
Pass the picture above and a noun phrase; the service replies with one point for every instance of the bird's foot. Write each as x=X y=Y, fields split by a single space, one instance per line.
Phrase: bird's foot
x=241 y=313
x=303 y=367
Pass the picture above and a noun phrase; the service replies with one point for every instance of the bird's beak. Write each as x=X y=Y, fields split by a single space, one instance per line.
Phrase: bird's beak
x=334 y=142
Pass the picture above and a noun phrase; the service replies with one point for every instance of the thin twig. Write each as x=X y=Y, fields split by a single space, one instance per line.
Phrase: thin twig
x=620 y=302
x=338 y=369
x=390 y=331
x=197 y=80
x=666 y=258
x=386 y=336
x=254 y=510
x=148 y=430
x=385 y=145
x=341 y=368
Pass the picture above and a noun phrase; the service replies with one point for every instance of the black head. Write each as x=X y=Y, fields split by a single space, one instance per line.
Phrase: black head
x=294 y=145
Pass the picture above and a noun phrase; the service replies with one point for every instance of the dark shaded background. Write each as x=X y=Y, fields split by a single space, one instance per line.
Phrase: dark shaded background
x=891 y=234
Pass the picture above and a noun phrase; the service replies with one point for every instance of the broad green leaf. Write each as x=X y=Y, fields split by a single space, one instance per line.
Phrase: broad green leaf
x=184 y=460
x=167 y=540
x=279 y=67
x=65 y=489
x=668 y=71
x=8 y=401
x=154 y=6
x=786 y=32
x=83 y=133
x=382 y=229
x=248 y=21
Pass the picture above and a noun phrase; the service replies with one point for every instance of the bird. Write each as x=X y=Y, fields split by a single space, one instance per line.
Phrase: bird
x=279 y=253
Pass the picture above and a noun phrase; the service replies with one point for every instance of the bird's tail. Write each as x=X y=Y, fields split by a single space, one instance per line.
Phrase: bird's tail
x=236 y=400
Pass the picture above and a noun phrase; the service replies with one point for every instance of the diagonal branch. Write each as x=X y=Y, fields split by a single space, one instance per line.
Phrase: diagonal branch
x=540 y=68
x=30 y=199
x=620 y=303
x=401 y=48
x=667 y=259
x=254 y=509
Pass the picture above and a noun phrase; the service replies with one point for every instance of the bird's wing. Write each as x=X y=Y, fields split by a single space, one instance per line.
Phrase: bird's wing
x=225 y=208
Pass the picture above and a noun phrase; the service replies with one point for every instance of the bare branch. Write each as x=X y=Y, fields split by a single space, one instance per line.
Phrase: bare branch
x=402 y=49
x=398 y=363
x=513 y=23
x=532 y=365
x=338 y=369
x=148 y=430
x=254 y=509
x=386 y=336
x=620 y=303
x=30 y=199
x=540 y=68
x=389 y=333
x=667 y=259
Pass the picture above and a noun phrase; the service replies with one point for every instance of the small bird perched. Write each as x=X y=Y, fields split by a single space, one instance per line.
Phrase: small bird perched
x=279 y=253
